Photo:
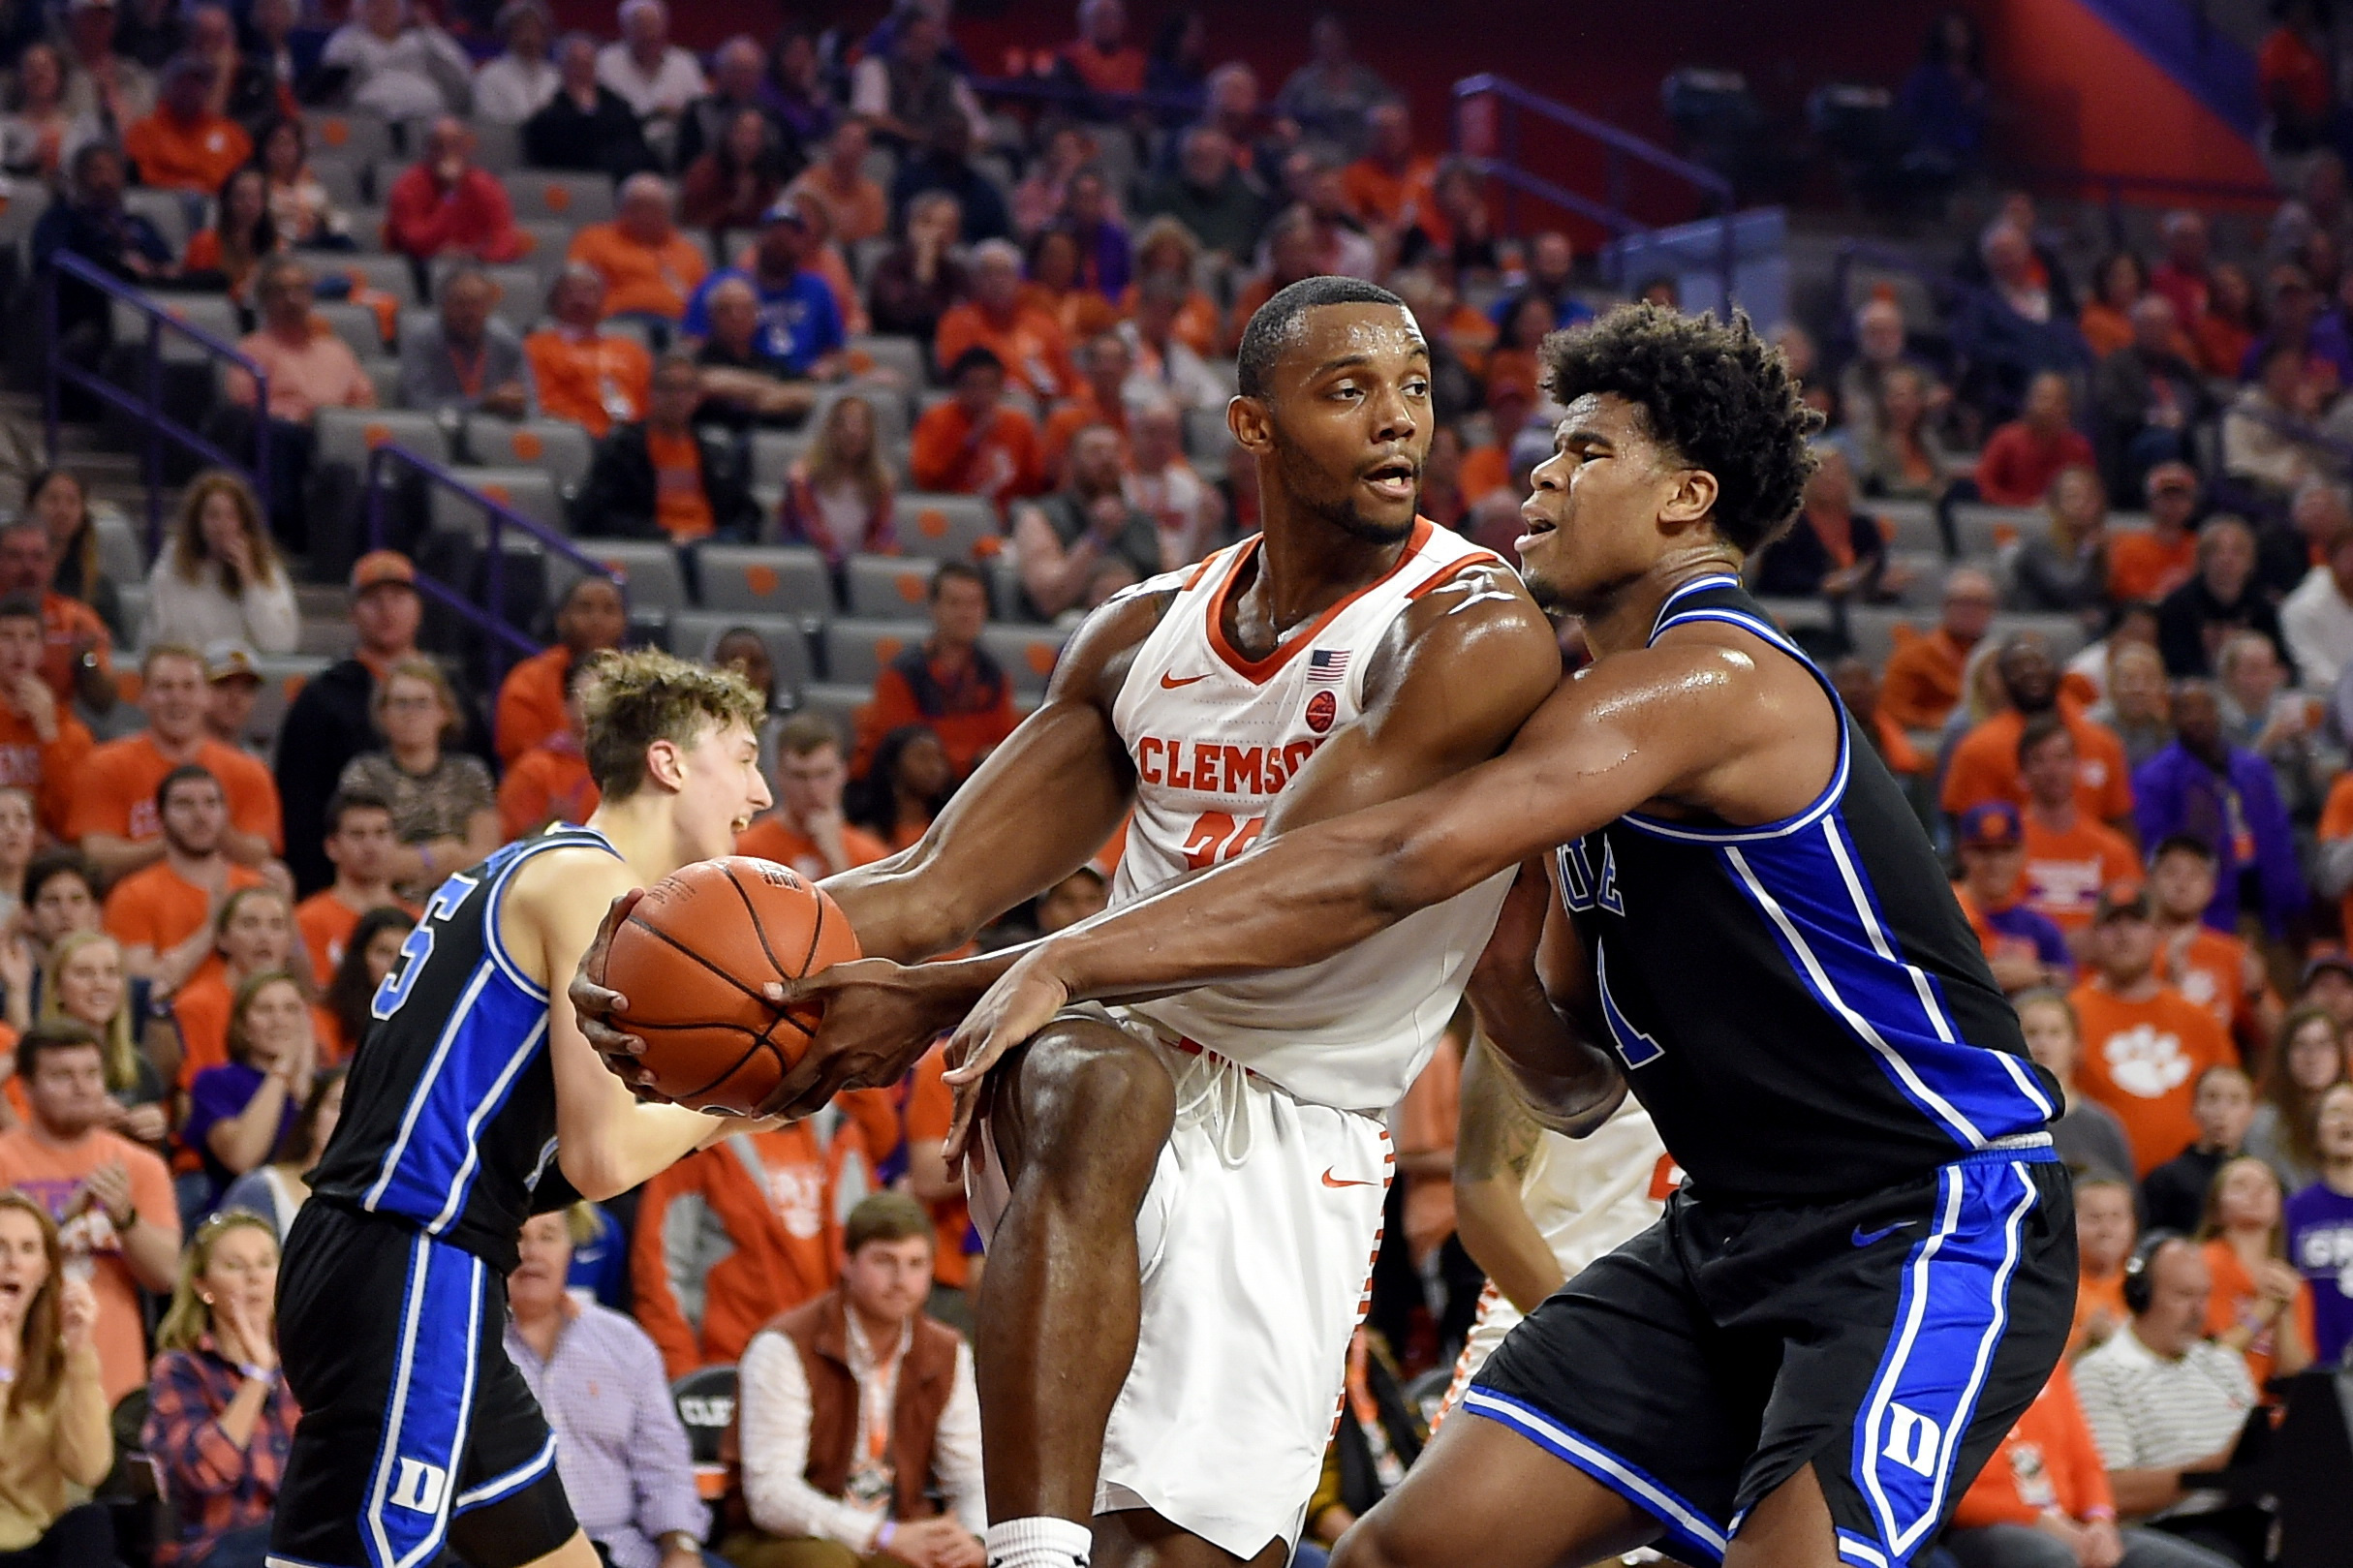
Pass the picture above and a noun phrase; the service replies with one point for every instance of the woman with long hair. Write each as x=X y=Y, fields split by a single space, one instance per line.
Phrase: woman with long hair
x=55 y=1441
x=88 y=983
x=277 y=1191
x=220 y=1418
x=220 y=579
x=306 y=216
x=240 y=1111
x=2233 y=321
x=57 y=497
x=2307 y=1056
x=904 y=788
x=445 y=810
x=2066 y=568
x=2260 y=1305
x=368 y=955
x=840 y=493
x=734 y=182
x=32 y=134
x=253 y=933
x=1905 y=459
x=242 y=236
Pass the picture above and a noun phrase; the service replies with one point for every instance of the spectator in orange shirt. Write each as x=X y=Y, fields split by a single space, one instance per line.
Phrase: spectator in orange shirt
x=2022 y=457
x=1100 y=56
x=76 y=657
x=590 y=618
x=184 y=145
x=359 y=843
x=662 y=479
x=550 y=782
x=117 y=799
x=2261 y=1306
x=838 y=183
x=2214 y=969
x=163 y=912
x=2144 y=567
x=1164 y=247
x=443 y=206
x=1390 y=187
x=1922 y=684
x=947 y=684
x=2070 y=858
x=2105 y=1230
x=806 y=829
x=1100 y=399
x=2145 y=1044
x=650 y=270
x=42 y=744
x=594 y=379
x=253 y=937
x=1027 y=340
x=974 y=444
x=1984 y=764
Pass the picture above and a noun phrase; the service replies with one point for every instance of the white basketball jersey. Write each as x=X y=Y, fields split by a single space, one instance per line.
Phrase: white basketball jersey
x=1216 y=738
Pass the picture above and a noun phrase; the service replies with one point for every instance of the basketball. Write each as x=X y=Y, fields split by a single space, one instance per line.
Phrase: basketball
x=692 y=958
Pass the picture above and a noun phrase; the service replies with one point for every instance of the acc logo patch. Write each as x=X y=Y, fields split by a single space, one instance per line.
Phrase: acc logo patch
x=1321 y=709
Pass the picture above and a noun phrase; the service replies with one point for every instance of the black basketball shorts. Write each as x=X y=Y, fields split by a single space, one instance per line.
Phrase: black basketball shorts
x=1890 y=1341
x=416 y=1430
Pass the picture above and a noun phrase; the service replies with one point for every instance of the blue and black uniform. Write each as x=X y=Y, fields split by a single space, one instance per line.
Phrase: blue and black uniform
x=1872 y=1266
x=417 y=1430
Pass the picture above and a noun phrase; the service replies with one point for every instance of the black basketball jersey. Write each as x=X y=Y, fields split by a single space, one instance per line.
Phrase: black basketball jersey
x=1800 y=1006
x=450 y=1113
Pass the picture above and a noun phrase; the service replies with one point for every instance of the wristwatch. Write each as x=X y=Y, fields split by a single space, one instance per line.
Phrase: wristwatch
x=678 y=1541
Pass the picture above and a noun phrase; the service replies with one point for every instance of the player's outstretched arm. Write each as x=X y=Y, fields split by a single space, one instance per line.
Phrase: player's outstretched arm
x=607 y=1142
x=1533 y=990
x=1494 y=1140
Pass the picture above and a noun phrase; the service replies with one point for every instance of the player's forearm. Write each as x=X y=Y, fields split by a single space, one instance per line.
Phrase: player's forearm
x=1504 y=1242
x=1561 y=1079
x=633 y=1147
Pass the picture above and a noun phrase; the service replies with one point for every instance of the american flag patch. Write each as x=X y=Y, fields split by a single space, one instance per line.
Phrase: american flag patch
x=1327 y=666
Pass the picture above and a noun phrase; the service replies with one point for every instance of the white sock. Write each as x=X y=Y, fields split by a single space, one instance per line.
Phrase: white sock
x=1039 y=1542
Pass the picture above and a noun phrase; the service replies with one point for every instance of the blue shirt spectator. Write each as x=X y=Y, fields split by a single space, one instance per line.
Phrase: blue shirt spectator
x=2225 y=796
x=800 y=322
x=89 y=220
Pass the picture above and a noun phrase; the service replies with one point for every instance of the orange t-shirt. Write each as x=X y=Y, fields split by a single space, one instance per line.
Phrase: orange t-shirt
x=201 y=1011
x=114 y=791
x=1004 y=461
x=2095 y=1293
x=930 y=1106
x=2143 y=570
x=2337 y=822
x=47 y=770
x=1923 y=679
x=772 y=838
x=531 y=700
x=1196 y=327
x=1985 y=766
x=1381 y=195
x=1037 y=353
x=547 y=783
x=680 y=506
x=51 y=1175
x=2210 y=971
x=652 y=280
x=326 y=924
x=1071 y=416
x=2231 y=1302
x=591 y=380
x=196 y=156
x=2066 y=871
x=2142 y=1060
x=156 y=908
x=2048 y=1460
x=1485 y=471
x=65 y=622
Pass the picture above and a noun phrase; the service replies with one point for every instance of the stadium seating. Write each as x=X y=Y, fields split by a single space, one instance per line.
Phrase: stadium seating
x=764 y=579
x=695 y=635
x=883 y=587
x=1028 y=653
x=348 y=435
x=856 y=651
x=563 y=450
x=947 y=527
x=652 y=577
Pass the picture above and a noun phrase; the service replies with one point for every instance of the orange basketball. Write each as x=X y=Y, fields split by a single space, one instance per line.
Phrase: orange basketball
x=692 y=959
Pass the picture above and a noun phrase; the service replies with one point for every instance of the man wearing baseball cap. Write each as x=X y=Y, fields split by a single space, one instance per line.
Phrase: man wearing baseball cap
x=2026 y=949
x=234 y=682
x=2144 y=565
x=2145 y=1043
x=800 y=322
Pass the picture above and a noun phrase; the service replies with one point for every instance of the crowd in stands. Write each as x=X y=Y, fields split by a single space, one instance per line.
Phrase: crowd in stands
x=2078 y=556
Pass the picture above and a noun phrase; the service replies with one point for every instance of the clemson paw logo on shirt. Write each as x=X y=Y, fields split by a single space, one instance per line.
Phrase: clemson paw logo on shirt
x=2143 y=1061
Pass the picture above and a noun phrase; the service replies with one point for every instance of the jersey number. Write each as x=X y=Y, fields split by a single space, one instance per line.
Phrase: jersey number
x=420 y=946
x=1216 y=835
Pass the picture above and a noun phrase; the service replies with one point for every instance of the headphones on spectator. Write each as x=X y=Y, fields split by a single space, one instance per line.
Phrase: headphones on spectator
x=2140 y=1284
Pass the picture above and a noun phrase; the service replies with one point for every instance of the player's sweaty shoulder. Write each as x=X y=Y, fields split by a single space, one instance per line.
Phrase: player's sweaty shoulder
x=554 y=893
x=1095 y=665
x=1476 y=637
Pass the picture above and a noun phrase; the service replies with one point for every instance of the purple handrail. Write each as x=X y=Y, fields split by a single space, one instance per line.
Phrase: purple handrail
x=149 y=411
x=488 y=619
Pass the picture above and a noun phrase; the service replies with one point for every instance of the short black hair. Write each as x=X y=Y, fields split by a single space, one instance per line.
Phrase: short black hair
x=2038 y=729
x=2184 y=844
x=19 y=607
x=950 y=571
x=54 y=1034
x=49 y=865
x=1719 y=395
x=972 y=357
x=181 y=775
x=343 y=802
x=1271 y=325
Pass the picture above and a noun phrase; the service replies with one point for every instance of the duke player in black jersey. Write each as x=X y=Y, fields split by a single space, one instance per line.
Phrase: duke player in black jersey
x=473 y=1104
x=1726 y=905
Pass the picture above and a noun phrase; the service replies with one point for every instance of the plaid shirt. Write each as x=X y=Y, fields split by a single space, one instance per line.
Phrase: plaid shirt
x=214 y=1485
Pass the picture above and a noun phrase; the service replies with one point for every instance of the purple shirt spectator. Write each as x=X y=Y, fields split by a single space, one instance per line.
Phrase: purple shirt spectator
x=221 y=1094
x=2320 y=1243
x=2226 y=796
x=2026 y=925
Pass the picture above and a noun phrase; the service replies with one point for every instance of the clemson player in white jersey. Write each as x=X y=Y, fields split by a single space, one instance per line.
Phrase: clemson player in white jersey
x=1185 y=1192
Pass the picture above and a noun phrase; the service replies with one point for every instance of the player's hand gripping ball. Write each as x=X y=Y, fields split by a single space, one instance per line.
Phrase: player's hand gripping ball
x=692 y=958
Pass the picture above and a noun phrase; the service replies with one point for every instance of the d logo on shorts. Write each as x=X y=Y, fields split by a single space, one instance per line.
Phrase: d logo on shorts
x=421 y=1487
x=1913 y=1440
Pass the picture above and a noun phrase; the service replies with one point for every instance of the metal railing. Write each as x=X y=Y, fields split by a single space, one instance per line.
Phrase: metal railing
x=147 y=407
x=1502 y=103
x=2110 y=187
x=489 y=619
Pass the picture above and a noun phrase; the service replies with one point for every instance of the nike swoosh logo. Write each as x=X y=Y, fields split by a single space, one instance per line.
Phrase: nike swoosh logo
x=1171 y=684
x=1861 y=1238
x=1329 y=1180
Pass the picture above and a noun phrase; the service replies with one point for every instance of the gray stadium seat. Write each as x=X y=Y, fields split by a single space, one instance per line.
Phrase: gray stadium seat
x=885 y=587
x=167 y=210
x=549 y=241
x=355 y=325
x=758 y=579
x=132 y=597
x=283 y=677
x=902 y=357
x=212 y=312
x=946 y=527
x=651 y=575
x=856 y=651
x=695 y=635
x=839 y=702
x=773 y=454
x=1984 y=530
x=361 y=139
x=348 y=435
x=344 y=179
x=525 y=490
x=384 y=374
x=570 y=199
x=390 y=273
x=562 y=448
x=1913 y=522
x=497 y=146
x=1026 y=653
x=1206 y=436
